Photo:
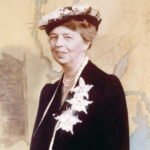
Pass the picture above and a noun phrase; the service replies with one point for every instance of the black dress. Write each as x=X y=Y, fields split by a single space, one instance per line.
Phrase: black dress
x=105 y=127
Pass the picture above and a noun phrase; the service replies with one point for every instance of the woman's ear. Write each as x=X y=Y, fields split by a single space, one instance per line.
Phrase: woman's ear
x=86 y=46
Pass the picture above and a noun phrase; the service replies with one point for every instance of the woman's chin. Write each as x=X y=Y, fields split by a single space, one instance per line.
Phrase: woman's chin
x=61 y=61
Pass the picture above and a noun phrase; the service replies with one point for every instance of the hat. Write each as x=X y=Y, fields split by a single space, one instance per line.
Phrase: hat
x=65 y=14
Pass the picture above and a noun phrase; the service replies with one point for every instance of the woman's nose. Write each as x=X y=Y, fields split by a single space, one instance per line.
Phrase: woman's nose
x=59 y=41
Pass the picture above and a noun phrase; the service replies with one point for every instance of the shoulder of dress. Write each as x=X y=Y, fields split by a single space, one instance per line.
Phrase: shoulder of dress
x=46 y=88
x=46 y=94
x=107 y=82
x=114 y=87
x=95 y=75
x=114 y=80
x=96 y=72
x=49 y=86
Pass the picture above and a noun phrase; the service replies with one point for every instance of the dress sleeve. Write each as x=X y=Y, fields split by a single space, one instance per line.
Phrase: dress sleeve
x=115 y=121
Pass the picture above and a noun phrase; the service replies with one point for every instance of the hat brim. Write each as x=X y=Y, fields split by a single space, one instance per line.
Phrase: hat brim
x=53 y=24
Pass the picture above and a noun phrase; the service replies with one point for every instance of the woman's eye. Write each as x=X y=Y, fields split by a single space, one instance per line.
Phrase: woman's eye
x=68 y=37
x=53 y=37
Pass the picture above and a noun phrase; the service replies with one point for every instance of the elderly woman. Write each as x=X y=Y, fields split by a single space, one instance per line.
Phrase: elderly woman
x=85 y=109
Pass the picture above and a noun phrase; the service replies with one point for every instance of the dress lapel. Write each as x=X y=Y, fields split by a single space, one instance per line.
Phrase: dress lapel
x=56 y=98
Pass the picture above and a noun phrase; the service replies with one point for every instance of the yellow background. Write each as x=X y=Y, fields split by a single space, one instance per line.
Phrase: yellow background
x=121 y=47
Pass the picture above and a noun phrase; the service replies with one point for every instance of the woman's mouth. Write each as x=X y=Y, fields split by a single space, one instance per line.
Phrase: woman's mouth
x=60 y=54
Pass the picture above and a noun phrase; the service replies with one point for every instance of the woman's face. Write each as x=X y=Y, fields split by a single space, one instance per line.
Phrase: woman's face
x=67 y=46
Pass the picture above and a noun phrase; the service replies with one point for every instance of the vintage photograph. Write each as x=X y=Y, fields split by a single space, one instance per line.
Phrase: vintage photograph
x=74 y=75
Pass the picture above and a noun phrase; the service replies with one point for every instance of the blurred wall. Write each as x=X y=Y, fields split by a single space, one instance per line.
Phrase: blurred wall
x=121 y=48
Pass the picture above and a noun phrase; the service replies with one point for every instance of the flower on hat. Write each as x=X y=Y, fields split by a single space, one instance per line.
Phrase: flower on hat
x=79 y=103
x=64 y=11
x=93 y=13
x=67 y=11
x=80 y=8
x=67 y=120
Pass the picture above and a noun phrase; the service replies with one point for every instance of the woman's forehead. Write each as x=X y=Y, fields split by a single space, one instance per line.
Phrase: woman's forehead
x=63 y=30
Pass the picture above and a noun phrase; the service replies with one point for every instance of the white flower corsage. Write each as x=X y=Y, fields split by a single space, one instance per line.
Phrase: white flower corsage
x=67 y=120
x=78 y=103
x=82 y=89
